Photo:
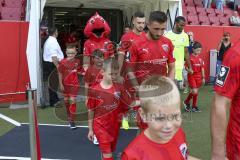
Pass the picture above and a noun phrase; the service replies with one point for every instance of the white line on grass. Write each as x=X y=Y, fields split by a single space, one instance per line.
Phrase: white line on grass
x=26 y=158
x=10 y=120
x=62 y=125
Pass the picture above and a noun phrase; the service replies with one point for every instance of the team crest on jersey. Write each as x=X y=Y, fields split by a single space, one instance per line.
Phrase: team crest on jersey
x=222 y=75
x=184 y=150
x=165 y=47
x=117 y=94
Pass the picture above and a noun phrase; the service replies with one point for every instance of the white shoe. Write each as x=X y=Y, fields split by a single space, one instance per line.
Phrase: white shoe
x=95 y=141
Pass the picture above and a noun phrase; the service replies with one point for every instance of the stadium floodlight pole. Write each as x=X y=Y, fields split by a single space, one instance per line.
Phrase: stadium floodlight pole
x=33 y=125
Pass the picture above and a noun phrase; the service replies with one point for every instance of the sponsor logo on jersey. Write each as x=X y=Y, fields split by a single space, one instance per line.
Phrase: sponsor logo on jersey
x=165 y=47
x=222 y=75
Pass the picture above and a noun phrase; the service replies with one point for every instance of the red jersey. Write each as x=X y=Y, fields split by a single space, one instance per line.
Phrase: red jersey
x=197 y=65
x=228 y=85
x=107 y=112
x=127 y=40
x=142 y=148
x=151 y=57
x=69 y=70
x=93 y=75
x=97 y=43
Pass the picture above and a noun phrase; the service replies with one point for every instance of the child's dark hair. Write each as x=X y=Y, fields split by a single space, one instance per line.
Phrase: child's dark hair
x=98 y=53
x=196 y=45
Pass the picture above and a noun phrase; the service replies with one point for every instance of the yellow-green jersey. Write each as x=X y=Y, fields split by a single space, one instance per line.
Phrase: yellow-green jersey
x=180 y=41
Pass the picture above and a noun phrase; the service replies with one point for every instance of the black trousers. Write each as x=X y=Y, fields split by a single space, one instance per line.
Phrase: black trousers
x=50 y=74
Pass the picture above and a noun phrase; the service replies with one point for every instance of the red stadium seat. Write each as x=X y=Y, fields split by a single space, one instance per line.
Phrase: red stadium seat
x=218 y=12
x=11 y=13
x=13 y=3
x=200 y=9
x=204 y=20
x=224 y=21
x=212 y=15
x=214 y=21
x=191 y=10
x=210 y=10
x=228 y=12
x=192 y=20
x=198 y=3
x=189 y=3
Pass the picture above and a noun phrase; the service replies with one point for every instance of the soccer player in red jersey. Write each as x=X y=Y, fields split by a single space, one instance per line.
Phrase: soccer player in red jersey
x=105 y=109
x=131 y=36
x=98 y=31
x=227 y=96
x=69 y=68
x=164 y=139
x=195 y=79
x=124 y=56
x=152 y=54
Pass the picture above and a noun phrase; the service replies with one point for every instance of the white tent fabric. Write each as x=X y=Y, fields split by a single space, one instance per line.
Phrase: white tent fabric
x=33 y=54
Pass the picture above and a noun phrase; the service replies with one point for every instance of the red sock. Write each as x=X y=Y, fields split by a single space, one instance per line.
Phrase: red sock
x=72 y=110
x=195 y=96
x=67 y=108
x=190 y=95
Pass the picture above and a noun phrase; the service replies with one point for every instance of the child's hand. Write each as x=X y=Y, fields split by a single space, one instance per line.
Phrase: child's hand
x=90 y=135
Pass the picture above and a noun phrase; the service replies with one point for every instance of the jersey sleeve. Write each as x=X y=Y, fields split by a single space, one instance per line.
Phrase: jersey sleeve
x=228 y=80
x=171 y=58
x=86 y=49
x=61 y=67
x=88 y=76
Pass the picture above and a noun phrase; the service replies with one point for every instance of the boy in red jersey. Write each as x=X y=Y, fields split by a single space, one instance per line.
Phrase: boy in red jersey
x=105 y=111
x=93 y=76
x=164 y=139
x=69 y=68
x=196 y=79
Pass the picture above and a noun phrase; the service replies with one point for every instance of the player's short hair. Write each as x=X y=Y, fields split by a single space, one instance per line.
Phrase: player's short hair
x=98 y=53
x=110 y=63
x=179 y=19
x=157 y=16
x=158 y=90
x=52 y=30
x=196 y=45
x=139 y=14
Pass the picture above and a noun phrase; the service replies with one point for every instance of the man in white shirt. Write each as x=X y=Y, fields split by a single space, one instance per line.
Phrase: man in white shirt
x=51 y=56
x=235 y=19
